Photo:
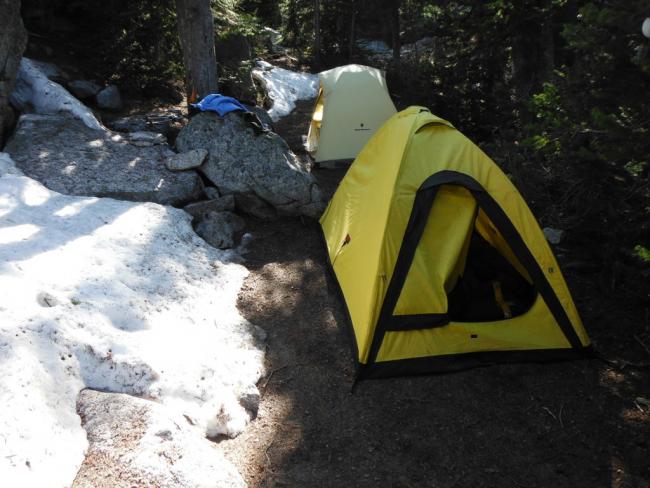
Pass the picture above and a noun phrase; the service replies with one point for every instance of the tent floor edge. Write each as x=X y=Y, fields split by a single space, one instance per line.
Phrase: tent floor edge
x=450 y=363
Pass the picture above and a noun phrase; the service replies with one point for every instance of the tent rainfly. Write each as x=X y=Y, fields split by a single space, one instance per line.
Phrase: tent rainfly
x=353 y=102
x=440 y=262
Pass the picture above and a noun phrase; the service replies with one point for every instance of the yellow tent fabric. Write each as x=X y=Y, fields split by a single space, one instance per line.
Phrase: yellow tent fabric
x=400 y=232
x=353 y=102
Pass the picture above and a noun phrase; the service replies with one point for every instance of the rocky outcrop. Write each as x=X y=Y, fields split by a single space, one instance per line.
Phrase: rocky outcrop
x=68 y=157
x=259 y=167
x=137 y=442
x=13 y=39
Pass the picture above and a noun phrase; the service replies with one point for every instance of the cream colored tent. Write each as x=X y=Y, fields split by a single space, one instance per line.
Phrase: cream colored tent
x=352 y=104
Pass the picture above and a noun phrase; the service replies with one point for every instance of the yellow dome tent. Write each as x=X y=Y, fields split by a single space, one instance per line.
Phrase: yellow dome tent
x=353 y=102
x=441 y=264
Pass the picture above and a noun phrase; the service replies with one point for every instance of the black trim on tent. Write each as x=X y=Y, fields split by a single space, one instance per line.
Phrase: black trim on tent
x=517 y=244
x=414 y=229
x=453 y=362
x=417 y=322
x=422 y=204
x=457 y=362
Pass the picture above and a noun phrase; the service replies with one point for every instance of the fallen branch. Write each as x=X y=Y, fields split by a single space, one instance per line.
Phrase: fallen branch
x=268 y=378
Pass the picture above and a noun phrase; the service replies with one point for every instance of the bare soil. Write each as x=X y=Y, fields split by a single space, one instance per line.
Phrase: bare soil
x=569 y=424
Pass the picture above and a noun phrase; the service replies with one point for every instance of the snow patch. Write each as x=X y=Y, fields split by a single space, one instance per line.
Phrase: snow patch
x=33 y=91
x=117 y=296
x=284 y=87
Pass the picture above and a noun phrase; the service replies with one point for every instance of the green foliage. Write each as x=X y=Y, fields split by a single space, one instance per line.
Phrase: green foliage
x=134 y=44
x=642 y=252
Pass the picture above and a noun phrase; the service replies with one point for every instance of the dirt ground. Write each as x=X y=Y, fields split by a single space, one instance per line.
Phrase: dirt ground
x=570 y=424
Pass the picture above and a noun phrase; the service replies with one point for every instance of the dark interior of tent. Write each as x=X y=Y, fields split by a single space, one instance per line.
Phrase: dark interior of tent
x=490 y=288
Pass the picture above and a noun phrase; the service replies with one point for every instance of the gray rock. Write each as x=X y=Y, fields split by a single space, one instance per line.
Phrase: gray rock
x=83 y=89
x=149 y=138
x=211 y=192
x=259 y=168
x=249 y=398
x=554 y=236
x=198 y=210
x=109 y=98
x=13 y=39
x=220 y=229
x=263 y=115
x=68 y=157
x=137 y=442
x=189 y=160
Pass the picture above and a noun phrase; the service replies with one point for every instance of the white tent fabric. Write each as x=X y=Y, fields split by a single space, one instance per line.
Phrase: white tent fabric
x=353 y=102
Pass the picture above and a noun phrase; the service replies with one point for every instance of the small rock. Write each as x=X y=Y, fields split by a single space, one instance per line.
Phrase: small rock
x=45 y=299
x=143 y=143
x=187 y=160
x=165 y=434
x=150 y=138
x=199 y=209
x=250 y=400
x=554 y=236
x=109 y=98
x=84 y=89
x=219 y=229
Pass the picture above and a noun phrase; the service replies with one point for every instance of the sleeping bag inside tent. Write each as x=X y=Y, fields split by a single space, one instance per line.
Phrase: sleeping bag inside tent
x=440 y=262
x=353 y=102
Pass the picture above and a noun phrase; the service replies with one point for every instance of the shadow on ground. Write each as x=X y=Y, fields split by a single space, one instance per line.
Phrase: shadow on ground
x=520 y=425
x=571 y=424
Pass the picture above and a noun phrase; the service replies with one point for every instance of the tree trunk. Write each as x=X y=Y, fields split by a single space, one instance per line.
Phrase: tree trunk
x=196 y=31
x=395 y=27
x=13 y=39
x=317 y=34
x=532 y=49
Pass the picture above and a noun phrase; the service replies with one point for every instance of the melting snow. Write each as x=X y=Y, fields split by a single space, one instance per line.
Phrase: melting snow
x=110 y=295
x=35 y=92
x=284 y=87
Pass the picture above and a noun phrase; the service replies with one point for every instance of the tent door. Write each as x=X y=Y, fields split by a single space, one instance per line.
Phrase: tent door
x=422 y=206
